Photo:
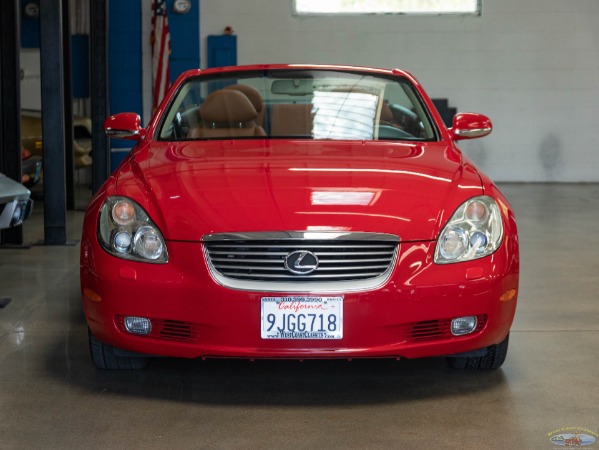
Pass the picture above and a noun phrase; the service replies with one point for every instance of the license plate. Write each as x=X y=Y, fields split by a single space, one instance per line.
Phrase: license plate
x=302 y=318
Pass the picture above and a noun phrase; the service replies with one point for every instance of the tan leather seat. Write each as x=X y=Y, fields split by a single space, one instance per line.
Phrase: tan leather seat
x=227 y=113
x=291 y=120
x=254 y=96
x=386 y=115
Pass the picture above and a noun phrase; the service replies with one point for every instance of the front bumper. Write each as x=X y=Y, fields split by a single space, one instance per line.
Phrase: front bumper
x=193 y=316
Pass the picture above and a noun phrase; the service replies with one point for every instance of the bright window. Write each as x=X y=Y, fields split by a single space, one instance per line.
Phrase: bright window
x=305 y=7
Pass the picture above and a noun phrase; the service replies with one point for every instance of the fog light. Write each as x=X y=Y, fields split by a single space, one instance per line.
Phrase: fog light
x=138 y=325
x=463 y=325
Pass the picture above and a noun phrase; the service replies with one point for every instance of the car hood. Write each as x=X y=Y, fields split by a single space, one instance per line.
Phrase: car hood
x=11 y=190
x=191 y=189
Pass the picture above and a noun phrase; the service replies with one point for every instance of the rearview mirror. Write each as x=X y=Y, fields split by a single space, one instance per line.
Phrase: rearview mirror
x=298 y=86
x=124 y=126
x=470 y=126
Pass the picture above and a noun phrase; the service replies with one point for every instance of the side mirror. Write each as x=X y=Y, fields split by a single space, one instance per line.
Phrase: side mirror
x=470 y=126
x=124 y=126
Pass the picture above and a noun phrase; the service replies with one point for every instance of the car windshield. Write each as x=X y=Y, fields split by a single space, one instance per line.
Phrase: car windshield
x=297 y=104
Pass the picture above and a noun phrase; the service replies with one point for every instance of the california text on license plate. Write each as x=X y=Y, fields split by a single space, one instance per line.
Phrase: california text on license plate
x=302 y=318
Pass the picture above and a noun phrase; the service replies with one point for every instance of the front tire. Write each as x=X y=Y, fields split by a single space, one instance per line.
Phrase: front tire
x=492 y=359
x=104 y=357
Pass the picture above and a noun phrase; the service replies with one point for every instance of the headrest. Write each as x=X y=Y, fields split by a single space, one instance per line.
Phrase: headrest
x=227 y=106
x=251 y=93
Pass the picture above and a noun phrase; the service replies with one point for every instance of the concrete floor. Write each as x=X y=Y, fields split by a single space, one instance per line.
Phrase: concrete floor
x=52 y=397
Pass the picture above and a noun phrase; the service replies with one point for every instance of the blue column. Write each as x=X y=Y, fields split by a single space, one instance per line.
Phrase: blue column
x=124 y=66
x=185 y=39
x=125 y=43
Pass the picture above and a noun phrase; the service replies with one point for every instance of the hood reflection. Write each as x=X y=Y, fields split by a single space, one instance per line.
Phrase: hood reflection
x=341 y=197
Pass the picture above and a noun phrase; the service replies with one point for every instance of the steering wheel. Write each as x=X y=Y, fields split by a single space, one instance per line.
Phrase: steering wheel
x=390 y=132
x=178 y=126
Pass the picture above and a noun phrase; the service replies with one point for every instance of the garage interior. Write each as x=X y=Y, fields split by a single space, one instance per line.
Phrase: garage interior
x=533 y=68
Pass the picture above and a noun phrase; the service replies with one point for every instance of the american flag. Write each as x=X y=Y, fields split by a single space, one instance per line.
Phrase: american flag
x=161 y=48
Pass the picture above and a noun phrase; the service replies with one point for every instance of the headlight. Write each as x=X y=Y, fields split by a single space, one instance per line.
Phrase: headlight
x=126 y=231
x=474 y=231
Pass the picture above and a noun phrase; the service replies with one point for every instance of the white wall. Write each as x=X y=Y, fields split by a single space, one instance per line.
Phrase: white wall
x=532 y=66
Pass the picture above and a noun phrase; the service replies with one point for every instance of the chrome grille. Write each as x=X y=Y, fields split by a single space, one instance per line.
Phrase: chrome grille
x=260 y=258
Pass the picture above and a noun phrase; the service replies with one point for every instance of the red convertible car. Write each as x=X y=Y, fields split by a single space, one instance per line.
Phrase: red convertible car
x=298 y=211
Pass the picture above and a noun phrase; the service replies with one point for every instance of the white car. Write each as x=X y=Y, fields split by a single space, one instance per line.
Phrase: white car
x=15 y=204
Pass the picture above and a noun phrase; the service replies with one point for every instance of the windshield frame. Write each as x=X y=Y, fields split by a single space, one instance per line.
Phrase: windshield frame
x=423 y=111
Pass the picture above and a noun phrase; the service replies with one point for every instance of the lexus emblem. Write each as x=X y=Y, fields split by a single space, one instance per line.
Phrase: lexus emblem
x=301 y=262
